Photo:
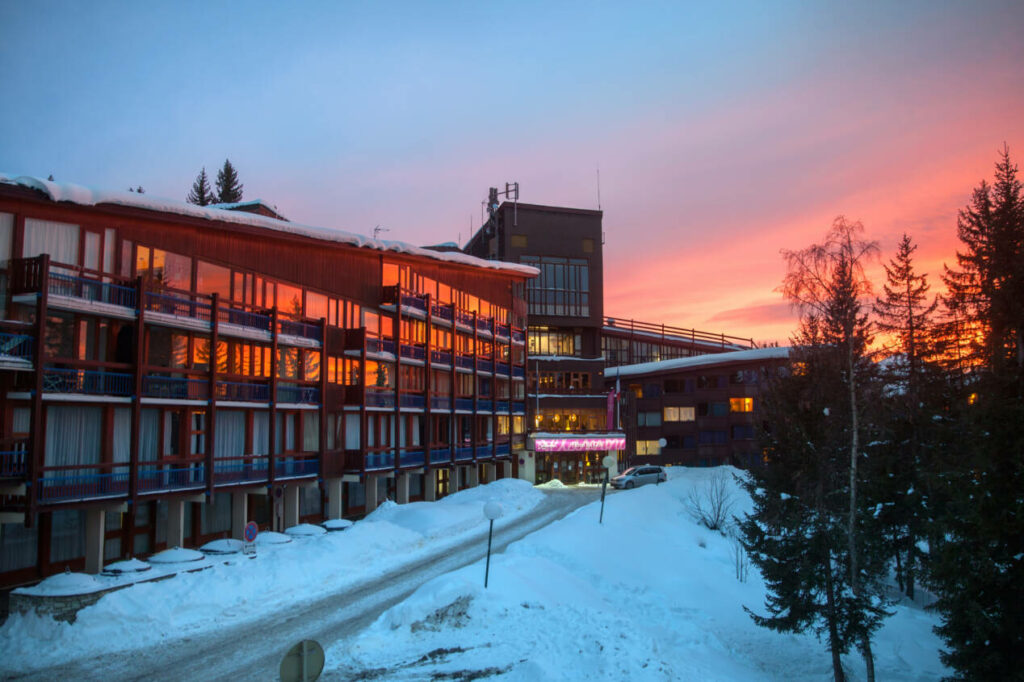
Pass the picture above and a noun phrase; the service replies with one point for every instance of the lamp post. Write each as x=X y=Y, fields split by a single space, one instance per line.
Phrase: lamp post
x=661 y=443
x=608 y=462
x=492 y=510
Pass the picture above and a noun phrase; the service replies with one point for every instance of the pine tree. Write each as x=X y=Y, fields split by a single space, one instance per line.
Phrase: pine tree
x=810 y=532
x=201 y=193
x=977 y=567
x=229 y=190
x=903 y=469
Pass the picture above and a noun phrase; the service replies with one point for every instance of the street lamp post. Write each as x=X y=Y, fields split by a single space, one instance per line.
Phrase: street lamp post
x=492 y=510
x=608 y=461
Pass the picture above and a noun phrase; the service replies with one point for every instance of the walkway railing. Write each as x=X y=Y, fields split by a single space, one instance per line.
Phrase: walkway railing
x=165 y=478
x=298 y=394
x=63 y=487
x=240 y=469
x=16 y=346
x=175 y=388
x=87 y=382
x=13 y=458
x=243 y=391
x=91 y=290
x=295 y=468
x=179 y=306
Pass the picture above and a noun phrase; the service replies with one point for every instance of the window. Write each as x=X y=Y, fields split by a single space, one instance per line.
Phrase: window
x=648 y=419
x=518 y=241
x=715 y=409
x=213 y=279
x=679 y=414
x=562 y=288
x=648 y=447
x=713 y=437
x=741 y=404
x=60 y=240
x=544 y=341
x=742 y=432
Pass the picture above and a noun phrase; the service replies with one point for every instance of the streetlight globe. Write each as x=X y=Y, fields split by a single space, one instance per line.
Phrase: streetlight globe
x=608 y=461
x=492 y=510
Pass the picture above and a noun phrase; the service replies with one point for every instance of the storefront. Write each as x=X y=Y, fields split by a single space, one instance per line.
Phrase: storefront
x=574 y=457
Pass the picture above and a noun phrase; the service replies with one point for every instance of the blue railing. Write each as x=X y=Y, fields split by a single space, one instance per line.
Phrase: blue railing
x=518 y=407
x=462 y=454
x=298 y=394
x=464 y=362
x=244 y=392
x=414 y=352
x=440 y=357
x=503 y=449
x=177 y=306
x=159 y=479
x=485 y=405
x=380 y=398
x=440 y=455
x=13 y=463
x=518 y=336
x=411 y=301
x=374 y=345
x=244 y=318
x=483 y=451
x=464 y=319
x=252 y=469
x=503 y=330
x=86 y=381
x=414 y=458
x=464 y=404
x=502 y=368
x=175 y=388
x=485 y=366
x=519 y=372
x=380 y=460
x=443 y=312
x=413 y=400
x=67 y=487
x=440 y=402
x=301 y=329
x=483 y=325
x=91 y=290
x=501 y=406
x=290 y=468
x=16 y=346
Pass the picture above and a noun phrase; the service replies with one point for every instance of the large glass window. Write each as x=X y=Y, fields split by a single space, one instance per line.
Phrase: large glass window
x=562 y=288
x=213 y=279
x=679 y=414
x=60 y=240
x=545 y=341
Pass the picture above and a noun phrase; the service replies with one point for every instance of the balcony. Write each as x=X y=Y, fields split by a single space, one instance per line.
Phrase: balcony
x=485 y=366
x=414 y=353
x=298 y=394
x=412 y=458
x=504 y=449
x=65 y=289
x=243 y=391
x=463 y=454
x=518 y=407
x=441 y=312
x=296 y=467
x=380 y=397
x=465 y=362
x=464 y=404
x=502 y=369
x=441 y=357
x=440 y=402
x=247 y=469
x=59 y=486
x=378 y=346
x=13 y=458
x=160 y=479
x=440 y=456
x=86 y=382
x=299 y=330
x=519 y=337
x=175 y=388
x=178 y=307
x=413 y=400
x=376 y=461
x=518 y=372
x=16 y=350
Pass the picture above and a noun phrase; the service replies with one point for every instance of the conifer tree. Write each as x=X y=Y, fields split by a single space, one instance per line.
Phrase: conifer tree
x=810 y=532
x=977 y=566
x=201 y=193
x=229 y=190
x=905 y=314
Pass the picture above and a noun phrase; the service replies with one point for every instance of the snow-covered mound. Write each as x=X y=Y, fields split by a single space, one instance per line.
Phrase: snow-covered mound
x=554 y=483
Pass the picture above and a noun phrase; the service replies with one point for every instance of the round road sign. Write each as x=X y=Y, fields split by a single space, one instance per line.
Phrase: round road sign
x=251 y=531
x=303 y=663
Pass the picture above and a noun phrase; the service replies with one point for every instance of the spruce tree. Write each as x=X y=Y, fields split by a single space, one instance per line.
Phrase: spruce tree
x=977 y=566
x=903 y=468
x=201 y=193
x=811 y=532
x=229 y=190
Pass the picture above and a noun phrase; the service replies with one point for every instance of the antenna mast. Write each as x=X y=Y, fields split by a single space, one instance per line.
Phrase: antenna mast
x=598 y=187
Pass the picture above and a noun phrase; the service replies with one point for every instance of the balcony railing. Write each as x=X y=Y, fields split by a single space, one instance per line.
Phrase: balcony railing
x=175 y=388
x=464 y=453
x=86 y=381
x=501 y=406
x=483 y=451
x=378 y=398
x=240 y=470
x=412 y=458
x=519 y=372
x=485 y=366
x=518 y=336
x=380 y=460
x=464 y=362
x=442 y=312
x=298 y=394
x=13 y=458
x=178 y=306
x=464 y=318
x=303 y=330
x=375 y=345
x=464 y=404
x=413 y=400
x=243 y=391
x=295 y=468
x=91 y=290
x=518 y=407
x=64 y=487
x=165 y=478
x=16 y=346
x=415 y=302
x=440 y=402
x=503 y=449
x=245 y=318
x=440 y=455
x=440 y=357
x=485 y=405
x=414 y=352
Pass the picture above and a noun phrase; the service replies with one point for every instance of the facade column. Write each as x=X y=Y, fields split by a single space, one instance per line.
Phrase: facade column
x=402 y=488
x=175 y=522
x=506 y=468
x=474 y=476
x=454 y=480
x=490 y=472
x=291 y=506
x=239 y=514
x=370 y=487
x=430 y=485
x=335 y=497
x=95 y=530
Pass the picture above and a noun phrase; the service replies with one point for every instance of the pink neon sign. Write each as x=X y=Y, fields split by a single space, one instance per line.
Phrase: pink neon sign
x=578 y=444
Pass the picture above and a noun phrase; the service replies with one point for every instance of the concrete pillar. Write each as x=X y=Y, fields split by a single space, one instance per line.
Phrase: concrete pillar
x=95 y=530
x=506 y=469
x=175 y=522
x=474 y=476
x=402 y=488
x=370 y=485
x=430 y=486
x=291 y=506
x=490 y=472
x=454 y=479
x=335 y=497
x=239 y=514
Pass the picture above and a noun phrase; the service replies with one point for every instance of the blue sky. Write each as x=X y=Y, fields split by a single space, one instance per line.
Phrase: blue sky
x=723 y=131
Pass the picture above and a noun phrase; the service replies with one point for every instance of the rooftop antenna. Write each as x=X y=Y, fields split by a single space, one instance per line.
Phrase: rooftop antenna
x=377 y=230
x=598 y=187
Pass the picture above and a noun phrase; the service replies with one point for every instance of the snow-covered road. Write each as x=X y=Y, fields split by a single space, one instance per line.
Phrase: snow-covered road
x=253 y=650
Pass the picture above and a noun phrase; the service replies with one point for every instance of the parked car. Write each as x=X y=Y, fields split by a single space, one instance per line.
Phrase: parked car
x=637 y=476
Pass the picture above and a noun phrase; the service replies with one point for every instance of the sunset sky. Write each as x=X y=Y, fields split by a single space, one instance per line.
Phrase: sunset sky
x=723 y=132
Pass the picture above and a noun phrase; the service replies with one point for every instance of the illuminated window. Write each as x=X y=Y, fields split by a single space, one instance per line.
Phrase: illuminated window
x=518 y=241
x=648 y=447
x=741 y=404
x=563 y=287
x=680 y=414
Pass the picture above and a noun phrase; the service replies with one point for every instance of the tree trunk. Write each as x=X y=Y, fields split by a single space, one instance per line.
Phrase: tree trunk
x=833 y=632
x=869 y=659
x=854 y=446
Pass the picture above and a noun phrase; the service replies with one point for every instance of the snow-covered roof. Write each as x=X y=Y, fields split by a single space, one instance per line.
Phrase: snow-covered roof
x=668 y=336
x=87 y=196
x=698 y=361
